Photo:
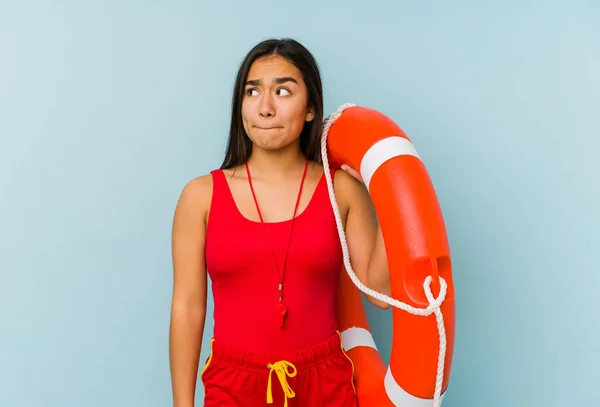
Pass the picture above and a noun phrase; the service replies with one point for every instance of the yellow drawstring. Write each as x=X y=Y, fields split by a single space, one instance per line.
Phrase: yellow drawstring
x=351 y=362
x=282 y=370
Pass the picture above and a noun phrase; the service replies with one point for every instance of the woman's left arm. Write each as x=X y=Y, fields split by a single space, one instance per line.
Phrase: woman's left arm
x=363 y=234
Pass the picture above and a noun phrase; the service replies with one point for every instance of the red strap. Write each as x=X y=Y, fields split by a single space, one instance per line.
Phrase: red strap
x=280 y=273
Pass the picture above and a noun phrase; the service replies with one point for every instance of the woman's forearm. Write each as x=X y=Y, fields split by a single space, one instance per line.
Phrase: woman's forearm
x=185 y=342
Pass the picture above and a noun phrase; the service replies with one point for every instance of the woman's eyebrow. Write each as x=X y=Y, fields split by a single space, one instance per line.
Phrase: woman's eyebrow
x=279 y=81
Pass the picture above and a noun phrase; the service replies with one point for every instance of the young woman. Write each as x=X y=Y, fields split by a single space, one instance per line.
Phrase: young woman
x=263 y=228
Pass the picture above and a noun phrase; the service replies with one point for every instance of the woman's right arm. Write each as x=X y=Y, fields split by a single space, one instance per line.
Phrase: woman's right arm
x=188 y=306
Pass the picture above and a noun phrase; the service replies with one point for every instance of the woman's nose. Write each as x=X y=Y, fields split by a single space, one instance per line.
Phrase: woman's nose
x=266 y=108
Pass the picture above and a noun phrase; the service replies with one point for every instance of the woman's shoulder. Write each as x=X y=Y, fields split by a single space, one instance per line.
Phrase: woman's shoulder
x=346 y=183
x=196 y=194
x=343 y=183
x=348 y=190
x=199 y=185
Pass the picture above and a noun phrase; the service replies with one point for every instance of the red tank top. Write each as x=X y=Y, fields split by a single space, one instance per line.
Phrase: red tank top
x=245 y=281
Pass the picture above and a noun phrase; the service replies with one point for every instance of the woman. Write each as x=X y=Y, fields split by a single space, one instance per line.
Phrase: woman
x=263 y=227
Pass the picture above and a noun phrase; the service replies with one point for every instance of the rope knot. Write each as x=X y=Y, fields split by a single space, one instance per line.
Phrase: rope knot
x=435 y=302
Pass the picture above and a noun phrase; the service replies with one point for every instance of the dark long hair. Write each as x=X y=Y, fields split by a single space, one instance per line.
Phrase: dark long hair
x=239 y=145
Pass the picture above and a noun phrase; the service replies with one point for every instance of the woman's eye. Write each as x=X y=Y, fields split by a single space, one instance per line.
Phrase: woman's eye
x=249 y=92
x=283 y=92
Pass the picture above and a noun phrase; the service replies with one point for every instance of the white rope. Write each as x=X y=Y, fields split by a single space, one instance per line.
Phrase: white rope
x=434 y=303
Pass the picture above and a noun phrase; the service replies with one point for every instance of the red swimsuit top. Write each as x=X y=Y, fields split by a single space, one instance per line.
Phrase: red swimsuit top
x=245 y=279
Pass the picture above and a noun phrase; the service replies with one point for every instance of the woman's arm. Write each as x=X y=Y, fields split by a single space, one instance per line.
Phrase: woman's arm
x=363 y=234
x=188 y=307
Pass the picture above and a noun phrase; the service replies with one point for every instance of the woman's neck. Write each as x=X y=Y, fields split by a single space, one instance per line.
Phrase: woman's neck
x=278 y=164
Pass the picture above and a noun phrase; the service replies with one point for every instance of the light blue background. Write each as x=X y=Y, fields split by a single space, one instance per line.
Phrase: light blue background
x=108 y=108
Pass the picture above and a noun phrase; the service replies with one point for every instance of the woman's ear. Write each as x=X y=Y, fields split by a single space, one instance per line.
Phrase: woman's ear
x=310 y=114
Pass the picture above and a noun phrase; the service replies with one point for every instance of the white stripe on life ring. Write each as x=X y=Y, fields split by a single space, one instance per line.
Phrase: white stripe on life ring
x=355 y=337
x=399 y=397
x=383 y=151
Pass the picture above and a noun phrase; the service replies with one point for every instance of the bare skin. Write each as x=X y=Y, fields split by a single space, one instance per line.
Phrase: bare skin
x=274 y=111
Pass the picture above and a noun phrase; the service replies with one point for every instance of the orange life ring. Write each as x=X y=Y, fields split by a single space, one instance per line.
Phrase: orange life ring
x=419 y=261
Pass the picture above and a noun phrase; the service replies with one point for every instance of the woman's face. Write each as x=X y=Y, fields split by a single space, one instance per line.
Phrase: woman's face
x=275 y=104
